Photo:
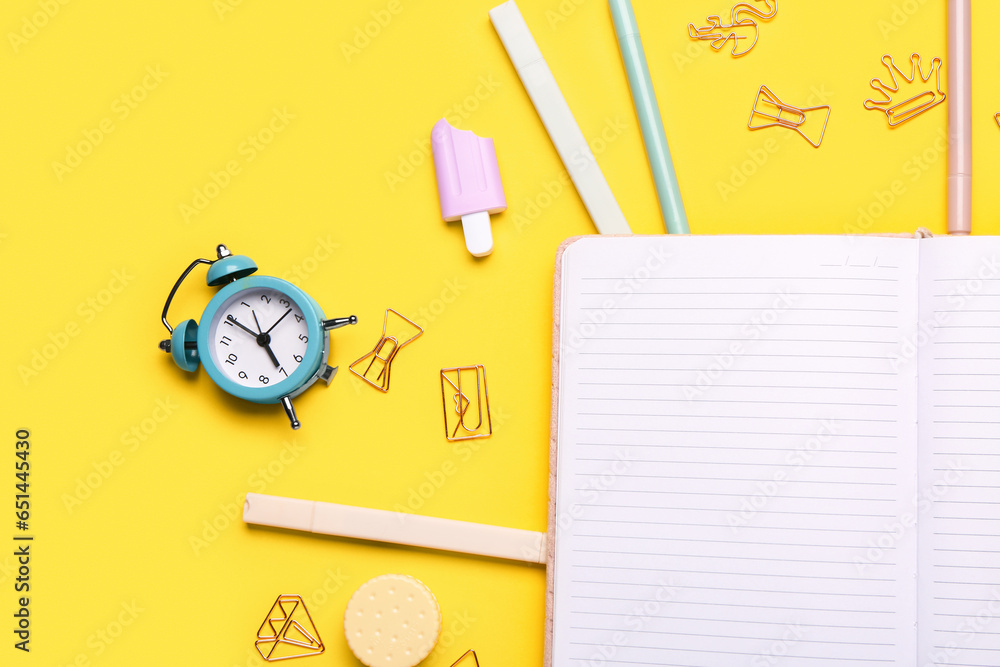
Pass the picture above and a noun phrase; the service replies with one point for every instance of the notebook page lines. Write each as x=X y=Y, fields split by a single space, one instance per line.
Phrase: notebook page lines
x=737 y=458
x=959 y=353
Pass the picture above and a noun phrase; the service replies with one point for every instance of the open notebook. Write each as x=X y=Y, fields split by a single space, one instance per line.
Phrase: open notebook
x=776 y=451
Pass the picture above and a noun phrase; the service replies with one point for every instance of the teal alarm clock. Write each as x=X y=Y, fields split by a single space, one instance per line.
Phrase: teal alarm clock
x=261 y=338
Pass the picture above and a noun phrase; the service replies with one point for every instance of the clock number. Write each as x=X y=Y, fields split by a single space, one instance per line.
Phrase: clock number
x=264 y=298
x=232 y=360
x=229 y=322
x=285 y=303
x=243 y=375
x=297 y=357
x=264 y=379
x=245 y=303
x=304 y=338
x=226 y=340
x=298 y=319
x=282 y=369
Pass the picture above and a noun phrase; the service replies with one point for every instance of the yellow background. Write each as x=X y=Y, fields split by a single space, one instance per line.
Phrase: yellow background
x=352 y=170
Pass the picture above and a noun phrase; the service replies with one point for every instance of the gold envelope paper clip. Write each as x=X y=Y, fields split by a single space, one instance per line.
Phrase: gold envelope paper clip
x=288 y=631
x=466 y=401
x=385 y=351
x=769 y=111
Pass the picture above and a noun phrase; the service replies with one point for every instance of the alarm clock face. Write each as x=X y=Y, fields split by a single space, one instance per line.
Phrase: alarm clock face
x=258 y=337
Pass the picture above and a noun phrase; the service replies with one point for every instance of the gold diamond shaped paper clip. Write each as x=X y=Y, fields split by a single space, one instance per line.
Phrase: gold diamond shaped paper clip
x=919 y=97
x=466 y=655
x=288 y=631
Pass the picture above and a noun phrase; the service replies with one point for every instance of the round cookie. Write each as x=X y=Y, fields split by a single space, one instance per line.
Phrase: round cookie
x=392 y=621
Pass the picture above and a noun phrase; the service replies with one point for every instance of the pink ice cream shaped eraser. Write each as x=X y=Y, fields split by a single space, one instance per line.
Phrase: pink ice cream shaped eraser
x=468 y=180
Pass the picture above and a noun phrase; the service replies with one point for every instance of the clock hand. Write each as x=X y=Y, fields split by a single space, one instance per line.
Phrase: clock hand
x=270 y=353
x=240 y=325
x=279 y=319
x=263 y=339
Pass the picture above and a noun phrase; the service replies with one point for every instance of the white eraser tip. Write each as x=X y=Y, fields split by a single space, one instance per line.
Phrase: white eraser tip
x=478 y=233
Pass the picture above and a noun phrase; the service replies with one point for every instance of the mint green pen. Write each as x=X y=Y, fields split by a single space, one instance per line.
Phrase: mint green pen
x=650 y=121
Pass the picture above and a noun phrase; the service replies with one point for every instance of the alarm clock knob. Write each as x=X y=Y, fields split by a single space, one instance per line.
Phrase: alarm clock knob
x=338 y=322
x=326 y=375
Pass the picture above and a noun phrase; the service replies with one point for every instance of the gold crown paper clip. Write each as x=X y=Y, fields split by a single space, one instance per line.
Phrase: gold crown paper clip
x=462 y=402
x=285 y=634
x=742 y=26
x=919 y=98
x=384 y=352
x=769 y=111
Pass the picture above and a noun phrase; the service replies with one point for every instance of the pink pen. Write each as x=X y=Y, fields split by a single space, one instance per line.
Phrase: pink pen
x=960 y=117
x=468 y=180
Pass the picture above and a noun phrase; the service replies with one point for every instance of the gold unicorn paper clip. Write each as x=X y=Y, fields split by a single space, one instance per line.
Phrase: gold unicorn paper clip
x=741 y=27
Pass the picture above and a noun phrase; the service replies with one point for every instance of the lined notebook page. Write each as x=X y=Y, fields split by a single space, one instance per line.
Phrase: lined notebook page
x=734 y=450
x=959 y=350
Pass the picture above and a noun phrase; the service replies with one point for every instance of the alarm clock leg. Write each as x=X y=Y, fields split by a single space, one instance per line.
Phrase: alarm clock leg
x=290 y=411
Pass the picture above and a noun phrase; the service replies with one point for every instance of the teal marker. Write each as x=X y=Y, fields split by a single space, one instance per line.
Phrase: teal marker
x=648 y=112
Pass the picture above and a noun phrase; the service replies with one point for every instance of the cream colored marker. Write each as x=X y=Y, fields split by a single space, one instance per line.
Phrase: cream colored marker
x=363 y=523
x=558 y=120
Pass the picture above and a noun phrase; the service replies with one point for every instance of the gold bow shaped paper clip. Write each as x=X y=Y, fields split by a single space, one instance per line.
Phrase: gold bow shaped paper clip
x=388 y=346
x=769 y=111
